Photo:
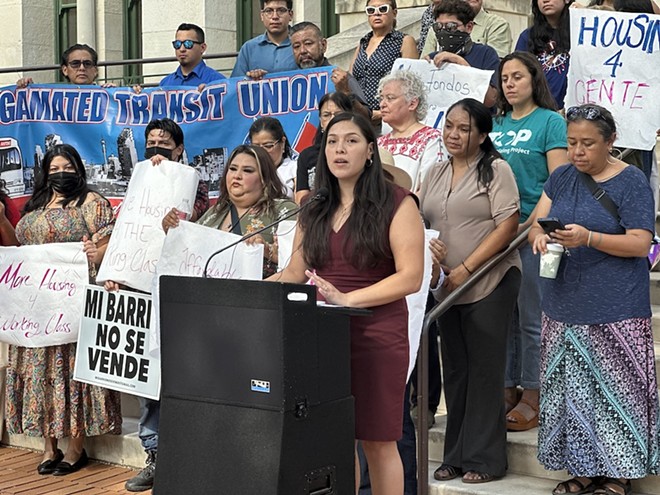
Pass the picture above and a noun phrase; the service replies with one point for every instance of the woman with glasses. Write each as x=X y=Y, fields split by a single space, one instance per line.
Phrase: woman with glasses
x=599 y=408
x=549 y=40
x=378 y=50
x=251 y=197
x=415 y=147
x=78 y=65
x=472 y=200
x=268 y=133
x=43 y=399
x=531 y=136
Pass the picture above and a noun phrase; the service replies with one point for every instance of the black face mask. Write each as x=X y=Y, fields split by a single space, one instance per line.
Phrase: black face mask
x=64 y=182
x=452 y=41
x=157 y=150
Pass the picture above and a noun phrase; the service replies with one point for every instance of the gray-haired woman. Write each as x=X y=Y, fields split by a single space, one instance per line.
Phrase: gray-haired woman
x=415 y=147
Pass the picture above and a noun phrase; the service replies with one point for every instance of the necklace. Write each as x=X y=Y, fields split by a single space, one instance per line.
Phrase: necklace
x=340 y=218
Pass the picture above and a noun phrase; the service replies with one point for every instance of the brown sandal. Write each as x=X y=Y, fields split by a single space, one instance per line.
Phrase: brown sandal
x=520 y=422
x=568 y=485
x=604 y=489
x=480 y=478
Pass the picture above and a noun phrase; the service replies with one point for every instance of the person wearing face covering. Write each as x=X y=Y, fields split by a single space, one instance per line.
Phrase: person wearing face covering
x=450 y=42
x=164 y=141
x=43 y=400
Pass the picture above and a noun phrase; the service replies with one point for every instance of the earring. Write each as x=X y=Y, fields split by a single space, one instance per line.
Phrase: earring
x=369 y=163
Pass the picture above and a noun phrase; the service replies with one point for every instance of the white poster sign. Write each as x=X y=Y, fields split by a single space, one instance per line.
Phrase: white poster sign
x=417 y=304
x=113 y=343
x=615 y=61
x=137 y=239
x=185 y=252
x=286 y=232
x=446 y=85
x=41 y=293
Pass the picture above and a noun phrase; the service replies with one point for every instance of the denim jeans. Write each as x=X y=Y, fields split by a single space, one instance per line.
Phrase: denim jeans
x=524 y=341
x=148 y=425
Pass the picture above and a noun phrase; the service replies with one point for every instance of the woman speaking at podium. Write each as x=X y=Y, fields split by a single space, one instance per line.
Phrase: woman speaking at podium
x=363 y=247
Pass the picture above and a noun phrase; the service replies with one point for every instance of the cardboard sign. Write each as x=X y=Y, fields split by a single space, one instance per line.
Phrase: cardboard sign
x=41 y=293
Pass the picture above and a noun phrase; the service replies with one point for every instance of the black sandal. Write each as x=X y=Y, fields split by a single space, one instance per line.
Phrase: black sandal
x=450 y=472
x=603 y=489
x=572 y=483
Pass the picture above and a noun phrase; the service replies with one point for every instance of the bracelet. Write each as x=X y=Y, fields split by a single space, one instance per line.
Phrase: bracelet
x=589 y=239
x=600 y=239
x=465 y=266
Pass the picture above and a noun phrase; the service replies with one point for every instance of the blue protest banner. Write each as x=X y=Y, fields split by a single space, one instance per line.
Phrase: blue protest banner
x=106 y=125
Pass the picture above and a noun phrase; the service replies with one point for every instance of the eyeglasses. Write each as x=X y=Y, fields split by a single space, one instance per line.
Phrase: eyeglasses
x=268 y=146
x=75 y=64
x=388 y=98
x=271 y=12
x=449 y=26
x=586 y=112
x=187 y=44
x=381 y=9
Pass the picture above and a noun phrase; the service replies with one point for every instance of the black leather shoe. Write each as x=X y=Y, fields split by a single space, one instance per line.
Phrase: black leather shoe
x=48 y=467
x=64 y=468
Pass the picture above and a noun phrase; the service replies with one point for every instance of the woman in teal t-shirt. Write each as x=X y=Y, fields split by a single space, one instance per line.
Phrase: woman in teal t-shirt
x=531 y=136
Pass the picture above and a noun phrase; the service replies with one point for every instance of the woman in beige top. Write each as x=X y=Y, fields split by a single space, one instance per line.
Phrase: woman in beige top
x=472 y=200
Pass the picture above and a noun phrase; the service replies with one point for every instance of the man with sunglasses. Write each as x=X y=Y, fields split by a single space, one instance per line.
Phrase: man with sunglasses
x=189 y=47
x=271 y=51
x=450 y=42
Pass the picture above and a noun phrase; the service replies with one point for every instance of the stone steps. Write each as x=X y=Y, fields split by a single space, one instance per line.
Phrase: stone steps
x=525 y=474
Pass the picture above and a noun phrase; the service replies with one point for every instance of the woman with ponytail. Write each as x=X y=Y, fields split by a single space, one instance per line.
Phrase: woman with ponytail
x=472 y=200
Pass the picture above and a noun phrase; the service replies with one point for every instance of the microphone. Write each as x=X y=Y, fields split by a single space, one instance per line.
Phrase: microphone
x=321 y=195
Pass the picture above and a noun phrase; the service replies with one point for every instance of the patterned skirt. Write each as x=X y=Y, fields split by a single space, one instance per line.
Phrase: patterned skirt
x=599 y=399
x=44 y=400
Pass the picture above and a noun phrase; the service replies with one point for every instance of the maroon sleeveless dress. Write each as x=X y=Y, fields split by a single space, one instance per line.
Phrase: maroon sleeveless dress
x=379 y=344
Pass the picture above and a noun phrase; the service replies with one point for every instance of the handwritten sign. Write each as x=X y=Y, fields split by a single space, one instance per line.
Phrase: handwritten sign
x=138 y=237
x=185 y=251
x=612 y=60
x=41 y=293
x=113 y=343
x=446 y=85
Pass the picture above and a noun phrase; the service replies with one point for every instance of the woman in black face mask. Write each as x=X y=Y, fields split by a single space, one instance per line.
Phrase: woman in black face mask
x=42 y=397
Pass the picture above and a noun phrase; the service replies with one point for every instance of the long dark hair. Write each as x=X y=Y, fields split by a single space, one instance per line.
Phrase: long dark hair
x=274 y=127
x=272 y=185
x=373 y=205
x=541 y=33
x=481 y=118
x=43 y=192
x=540 y=90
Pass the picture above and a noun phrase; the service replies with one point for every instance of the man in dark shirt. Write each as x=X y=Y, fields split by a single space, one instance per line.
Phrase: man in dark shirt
x=452 y=28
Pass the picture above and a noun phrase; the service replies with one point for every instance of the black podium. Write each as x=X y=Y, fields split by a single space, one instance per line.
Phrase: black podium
x=255 y=395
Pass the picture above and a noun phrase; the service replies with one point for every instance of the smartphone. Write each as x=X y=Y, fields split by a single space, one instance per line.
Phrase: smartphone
x=550 y=224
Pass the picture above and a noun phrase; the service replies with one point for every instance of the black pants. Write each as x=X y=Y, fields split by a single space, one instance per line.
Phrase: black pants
x=473 y=344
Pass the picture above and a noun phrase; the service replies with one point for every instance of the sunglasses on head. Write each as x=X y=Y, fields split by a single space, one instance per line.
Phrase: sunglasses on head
x=187 y=44
x=381 y=9
x=75 y=64
x=586 y=112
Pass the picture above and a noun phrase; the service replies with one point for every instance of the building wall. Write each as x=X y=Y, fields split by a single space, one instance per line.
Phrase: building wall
x=31 y=39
